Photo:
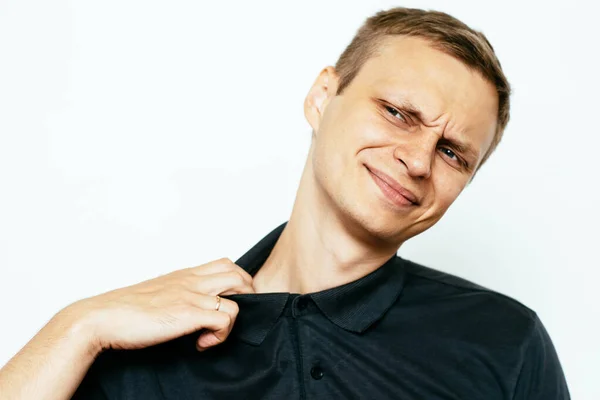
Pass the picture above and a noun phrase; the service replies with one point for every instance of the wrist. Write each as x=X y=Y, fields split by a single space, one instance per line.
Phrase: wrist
x=79 y=327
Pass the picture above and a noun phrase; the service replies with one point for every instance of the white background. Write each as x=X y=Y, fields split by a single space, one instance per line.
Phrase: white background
x=140 y=137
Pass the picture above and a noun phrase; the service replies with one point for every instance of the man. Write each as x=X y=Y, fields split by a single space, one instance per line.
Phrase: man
x=322 y=307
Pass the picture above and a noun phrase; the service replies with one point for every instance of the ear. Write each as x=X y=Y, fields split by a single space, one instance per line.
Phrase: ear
x=319 y=96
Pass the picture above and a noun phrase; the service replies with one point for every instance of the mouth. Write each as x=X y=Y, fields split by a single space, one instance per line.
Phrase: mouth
x=392 y=189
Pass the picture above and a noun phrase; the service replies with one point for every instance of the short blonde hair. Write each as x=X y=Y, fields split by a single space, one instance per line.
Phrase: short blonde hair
x=445 y=33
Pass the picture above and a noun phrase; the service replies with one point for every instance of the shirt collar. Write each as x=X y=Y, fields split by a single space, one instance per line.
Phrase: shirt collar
x=354 y=306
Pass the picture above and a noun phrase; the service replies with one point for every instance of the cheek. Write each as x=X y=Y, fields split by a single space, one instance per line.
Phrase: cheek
x=337 y=144
x=329 y=156
x=348 y=136
x=447 y=188
x=354 y=123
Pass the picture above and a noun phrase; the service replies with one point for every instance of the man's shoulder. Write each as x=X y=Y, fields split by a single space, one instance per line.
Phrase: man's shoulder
x=428 y=284
x=477 y=322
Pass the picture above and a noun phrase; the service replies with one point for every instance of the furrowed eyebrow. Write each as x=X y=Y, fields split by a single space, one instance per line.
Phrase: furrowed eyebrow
x=406 y=107
x=414 y=111
x=411 y=109
x=462 y=148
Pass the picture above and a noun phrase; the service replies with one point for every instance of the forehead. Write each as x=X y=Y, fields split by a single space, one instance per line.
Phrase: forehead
x=446 y=91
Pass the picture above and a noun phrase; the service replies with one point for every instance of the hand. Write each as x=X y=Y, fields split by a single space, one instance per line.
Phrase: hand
x=167 y=307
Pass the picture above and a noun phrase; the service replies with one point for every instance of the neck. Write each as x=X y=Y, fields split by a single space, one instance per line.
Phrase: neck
x=318 y=249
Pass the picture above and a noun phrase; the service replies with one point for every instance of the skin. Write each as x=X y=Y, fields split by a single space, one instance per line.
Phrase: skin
x=54 y=362
x=342 y=227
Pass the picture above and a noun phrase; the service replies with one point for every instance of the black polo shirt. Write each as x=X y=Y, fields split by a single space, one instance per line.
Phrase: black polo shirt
x=402 y=332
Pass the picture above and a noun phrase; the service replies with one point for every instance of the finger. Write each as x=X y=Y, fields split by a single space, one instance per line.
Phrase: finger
x=221 y=283
x=221 y=265
x=242 y=290
x=207 y=339
x=211 y=269
x=218 y=325
x=209 y=303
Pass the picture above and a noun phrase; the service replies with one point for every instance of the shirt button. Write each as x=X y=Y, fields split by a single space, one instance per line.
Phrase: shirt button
x=302 y=303
x=316 y=372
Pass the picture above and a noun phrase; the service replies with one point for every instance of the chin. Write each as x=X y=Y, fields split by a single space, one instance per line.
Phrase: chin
x=374 y=225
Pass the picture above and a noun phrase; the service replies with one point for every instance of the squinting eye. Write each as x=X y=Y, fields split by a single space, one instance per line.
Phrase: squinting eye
x=448 y=152
x=395 y=113
x=452 y=156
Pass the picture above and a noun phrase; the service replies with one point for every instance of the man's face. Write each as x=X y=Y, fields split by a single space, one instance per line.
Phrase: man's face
x=370 y=130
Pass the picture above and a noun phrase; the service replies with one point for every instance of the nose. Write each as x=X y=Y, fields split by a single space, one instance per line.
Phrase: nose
x=417 y=155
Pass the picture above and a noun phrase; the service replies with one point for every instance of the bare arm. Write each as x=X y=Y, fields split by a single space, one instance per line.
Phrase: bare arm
x=53 y=364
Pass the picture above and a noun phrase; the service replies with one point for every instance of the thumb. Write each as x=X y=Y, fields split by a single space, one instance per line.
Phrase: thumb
x=209 y=339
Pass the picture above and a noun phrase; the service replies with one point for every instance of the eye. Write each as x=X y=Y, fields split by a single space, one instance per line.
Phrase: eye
x=449 y=153
x=452 y=156
x=395 y=113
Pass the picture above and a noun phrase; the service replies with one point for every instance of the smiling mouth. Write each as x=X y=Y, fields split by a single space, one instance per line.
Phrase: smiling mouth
x=396 y=194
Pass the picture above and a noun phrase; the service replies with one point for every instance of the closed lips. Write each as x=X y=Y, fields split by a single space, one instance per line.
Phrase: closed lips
x=394 y=185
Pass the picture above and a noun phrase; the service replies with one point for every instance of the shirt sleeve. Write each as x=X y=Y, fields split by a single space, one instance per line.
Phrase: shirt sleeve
x=541 y=375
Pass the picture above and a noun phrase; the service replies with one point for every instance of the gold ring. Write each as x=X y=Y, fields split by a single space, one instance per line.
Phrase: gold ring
x=218 y=305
